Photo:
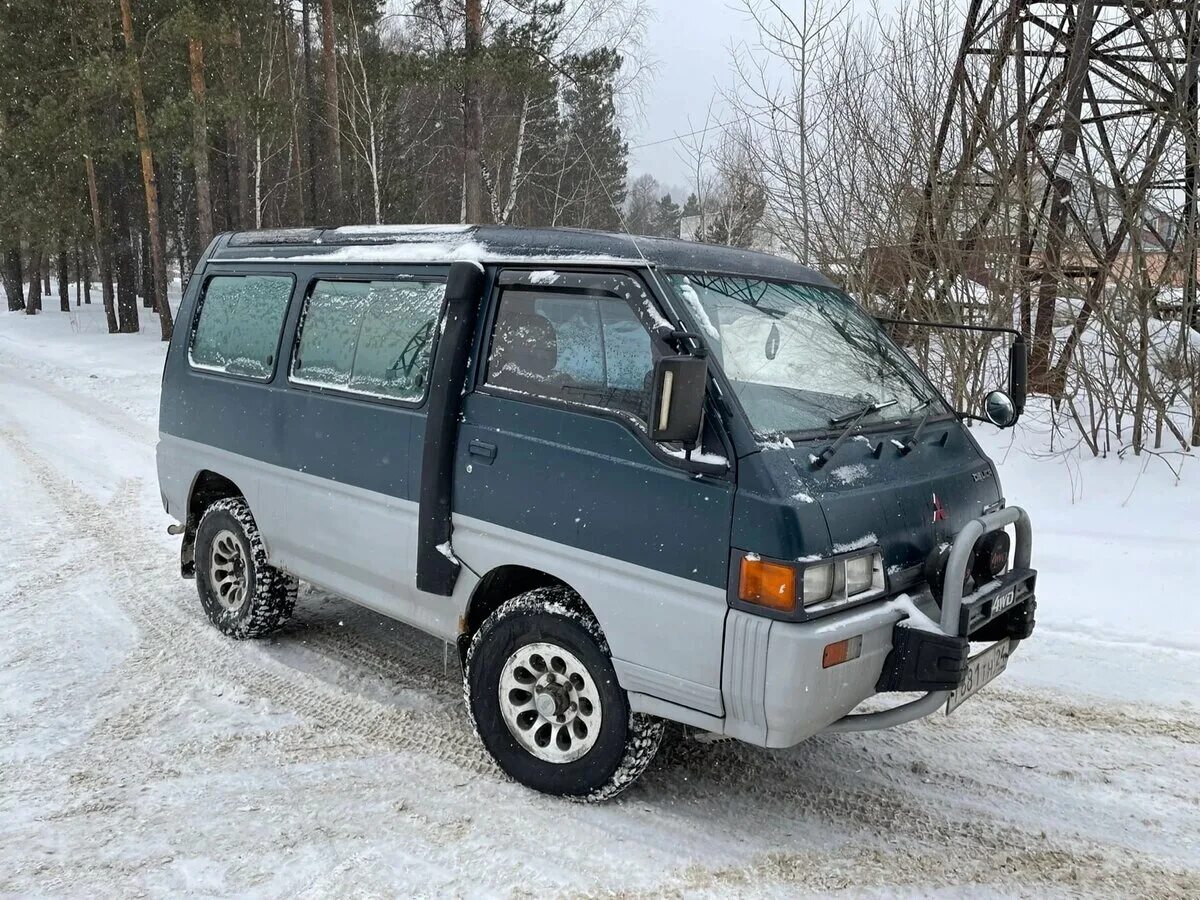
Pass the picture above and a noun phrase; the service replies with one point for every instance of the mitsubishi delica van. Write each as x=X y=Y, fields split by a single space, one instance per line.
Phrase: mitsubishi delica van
x=633 y=481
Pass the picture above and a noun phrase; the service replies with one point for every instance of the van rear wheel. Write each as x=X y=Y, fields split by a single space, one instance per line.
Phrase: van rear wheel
x=241 y=594
x=543 y=696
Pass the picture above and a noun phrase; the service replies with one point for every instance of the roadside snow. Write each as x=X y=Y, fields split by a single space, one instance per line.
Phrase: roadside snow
x=1116 y=541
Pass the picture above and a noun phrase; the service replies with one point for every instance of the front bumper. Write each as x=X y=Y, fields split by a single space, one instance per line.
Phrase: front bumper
x=777 y=693
x=926 y=659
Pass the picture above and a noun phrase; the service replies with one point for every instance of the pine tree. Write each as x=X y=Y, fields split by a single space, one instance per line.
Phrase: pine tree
x=237 y=87
x=595 y=189
x=666 y=217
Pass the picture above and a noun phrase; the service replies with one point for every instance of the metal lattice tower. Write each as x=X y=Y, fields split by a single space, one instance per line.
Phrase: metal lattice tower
x=1069 y=130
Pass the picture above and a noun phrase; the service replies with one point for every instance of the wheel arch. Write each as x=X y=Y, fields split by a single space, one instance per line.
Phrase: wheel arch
x=500 y=585
x=207 y=488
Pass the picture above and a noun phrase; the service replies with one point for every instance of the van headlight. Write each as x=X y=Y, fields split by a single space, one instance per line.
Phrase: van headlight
x=859 y=574
x=847 y=579
x=818 y=583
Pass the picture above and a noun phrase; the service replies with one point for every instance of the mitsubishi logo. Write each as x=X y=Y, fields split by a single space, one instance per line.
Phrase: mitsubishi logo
x=939 y=511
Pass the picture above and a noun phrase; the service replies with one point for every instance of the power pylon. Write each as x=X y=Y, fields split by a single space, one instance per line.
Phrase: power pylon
x=1069 y=127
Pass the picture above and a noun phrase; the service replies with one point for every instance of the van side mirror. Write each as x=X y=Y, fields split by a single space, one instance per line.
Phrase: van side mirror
x=1000 y=409
x=677 y=404
x=1018 y=374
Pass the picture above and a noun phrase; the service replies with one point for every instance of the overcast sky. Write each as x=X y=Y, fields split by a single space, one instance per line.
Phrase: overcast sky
x=690 y=41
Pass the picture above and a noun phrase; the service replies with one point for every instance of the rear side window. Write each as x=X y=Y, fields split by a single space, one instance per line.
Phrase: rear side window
x=237 y=331
x=369 y=337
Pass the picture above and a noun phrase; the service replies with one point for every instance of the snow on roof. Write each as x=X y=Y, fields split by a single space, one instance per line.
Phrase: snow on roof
x=438 y=252
x=497 y=243
x=397 y=230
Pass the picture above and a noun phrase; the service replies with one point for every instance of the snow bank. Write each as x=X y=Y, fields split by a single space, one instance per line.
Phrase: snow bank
x=1116 y=541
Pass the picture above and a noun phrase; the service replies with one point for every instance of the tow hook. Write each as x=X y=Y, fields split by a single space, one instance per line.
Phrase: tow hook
x=176 y=528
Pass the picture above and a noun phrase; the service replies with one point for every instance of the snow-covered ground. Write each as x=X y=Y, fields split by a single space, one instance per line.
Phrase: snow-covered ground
x=142 y=752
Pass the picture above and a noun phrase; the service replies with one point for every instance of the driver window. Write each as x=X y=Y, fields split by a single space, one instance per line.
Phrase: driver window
x=580 y=348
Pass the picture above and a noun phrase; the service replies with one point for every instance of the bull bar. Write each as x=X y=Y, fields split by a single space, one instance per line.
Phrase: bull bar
x=952 y=601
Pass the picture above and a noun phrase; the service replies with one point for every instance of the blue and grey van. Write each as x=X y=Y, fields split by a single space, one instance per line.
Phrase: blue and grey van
x=634 y=481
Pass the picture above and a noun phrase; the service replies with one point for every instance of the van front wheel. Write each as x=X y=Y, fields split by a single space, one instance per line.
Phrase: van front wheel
x=241 y=594
x=543 y=696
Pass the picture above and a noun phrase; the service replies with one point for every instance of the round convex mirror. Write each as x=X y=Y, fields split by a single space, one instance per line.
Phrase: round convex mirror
x=1000 y=409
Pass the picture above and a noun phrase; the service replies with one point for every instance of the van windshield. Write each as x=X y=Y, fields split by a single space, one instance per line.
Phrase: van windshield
x=800 y=355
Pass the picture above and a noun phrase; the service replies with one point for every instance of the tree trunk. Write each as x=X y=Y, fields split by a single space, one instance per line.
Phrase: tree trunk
x=333 y=164
x=145 y=268
x=224 y=215
x=85 y=272
x=310 y=118
x=472 y=116
x=64 y=276
x=78 y=274
x=45 y=274
x=33 y=304
x=245 y=211
x=126 y=264
x=285 y=17
x=204 y=218
x=181 y=253
x=232 y=159
x=103 y=260
x=10 y=272
x=149 y=180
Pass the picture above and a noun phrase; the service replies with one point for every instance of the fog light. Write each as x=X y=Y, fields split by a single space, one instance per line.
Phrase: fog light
x=990 y=557
x=818 y=583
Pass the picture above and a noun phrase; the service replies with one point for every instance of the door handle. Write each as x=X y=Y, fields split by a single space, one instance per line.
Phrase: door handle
x=483 y=451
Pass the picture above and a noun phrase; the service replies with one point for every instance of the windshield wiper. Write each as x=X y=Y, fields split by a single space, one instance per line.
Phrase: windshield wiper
x=911 y=443
x=852 y=419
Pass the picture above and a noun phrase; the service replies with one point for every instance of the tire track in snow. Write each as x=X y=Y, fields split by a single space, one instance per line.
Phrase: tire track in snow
x=1046 y=710
x=95 y=407
x=836 y=788
x=136 y=568
x=1027 y=872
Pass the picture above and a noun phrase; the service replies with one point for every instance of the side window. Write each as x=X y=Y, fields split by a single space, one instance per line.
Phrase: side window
x=237 y=331
x=369 y=337
x=329 y=333
x=582 y=348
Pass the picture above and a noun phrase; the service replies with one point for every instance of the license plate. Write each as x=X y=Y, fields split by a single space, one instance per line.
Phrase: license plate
x=980 y=670
x=1003 y=602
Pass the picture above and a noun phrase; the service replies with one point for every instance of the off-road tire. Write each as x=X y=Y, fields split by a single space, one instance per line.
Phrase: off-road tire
x=270 y=593
x=626 y=742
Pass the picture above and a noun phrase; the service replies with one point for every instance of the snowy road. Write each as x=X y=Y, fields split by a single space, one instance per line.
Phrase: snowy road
x=142 y=752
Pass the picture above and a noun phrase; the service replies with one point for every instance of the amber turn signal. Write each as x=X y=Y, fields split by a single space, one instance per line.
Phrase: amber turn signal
x=768 y=584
